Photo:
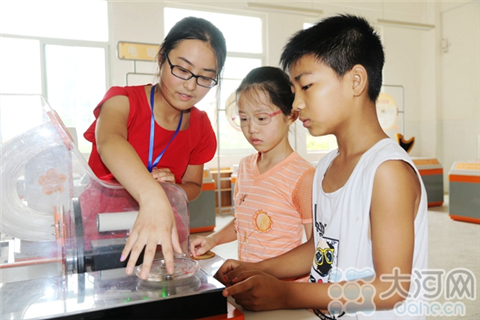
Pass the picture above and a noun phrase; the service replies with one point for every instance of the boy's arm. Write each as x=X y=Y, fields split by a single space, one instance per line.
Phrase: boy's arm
x=292 y=264
x=259 y=291
x=256 y=286
x=395 y=201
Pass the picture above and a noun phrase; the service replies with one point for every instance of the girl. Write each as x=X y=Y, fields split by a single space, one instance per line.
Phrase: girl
x=273 y=190
x=153 y=132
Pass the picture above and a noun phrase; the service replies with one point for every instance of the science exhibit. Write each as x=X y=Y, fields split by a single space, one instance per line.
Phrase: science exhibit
x=63 y=230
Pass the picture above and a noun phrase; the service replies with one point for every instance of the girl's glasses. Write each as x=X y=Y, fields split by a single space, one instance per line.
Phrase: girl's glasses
x=185 y=74
x=261 y=118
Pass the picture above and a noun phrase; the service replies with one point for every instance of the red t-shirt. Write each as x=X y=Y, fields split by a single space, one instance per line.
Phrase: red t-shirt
x=193 y=146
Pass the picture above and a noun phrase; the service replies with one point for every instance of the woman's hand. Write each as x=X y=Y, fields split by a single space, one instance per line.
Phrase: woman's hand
x=155 y=224
x=163 y=175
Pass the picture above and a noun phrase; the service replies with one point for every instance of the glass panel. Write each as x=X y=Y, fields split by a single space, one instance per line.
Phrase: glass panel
x=209 y=105
x=76 y=83
x=20 y=66
x=230 y=137
x=248 y=38
x=54 y=216
x=79 y=20
x=237 y=68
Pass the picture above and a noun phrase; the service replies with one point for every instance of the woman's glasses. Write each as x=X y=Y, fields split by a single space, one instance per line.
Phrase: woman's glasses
x=185 y=74
x=261 y=118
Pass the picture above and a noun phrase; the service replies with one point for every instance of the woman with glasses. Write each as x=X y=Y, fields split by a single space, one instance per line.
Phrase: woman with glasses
x=147 y=134
x=273 y=208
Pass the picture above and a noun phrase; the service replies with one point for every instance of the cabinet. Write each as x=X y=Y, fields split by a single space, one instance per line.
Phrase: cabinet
x=222 y=179
x=202 y=209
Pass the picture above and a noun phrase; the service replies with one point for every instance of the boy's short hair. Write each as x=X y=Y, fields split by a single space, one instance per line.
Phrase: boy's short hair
x=340 y=42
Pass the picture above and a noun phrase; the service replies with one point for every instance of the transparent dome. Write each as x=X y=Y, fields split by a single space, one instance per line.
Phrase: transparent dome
x=52 y=204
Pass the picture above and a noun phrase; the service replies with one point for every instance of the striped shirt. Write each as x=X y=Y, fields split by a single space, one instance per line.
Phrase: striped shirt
x=269 y=220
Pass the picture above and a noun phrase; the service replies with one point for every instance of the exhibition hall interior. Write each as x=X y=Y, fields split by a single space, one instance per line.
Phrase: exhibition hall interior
x=63 y=226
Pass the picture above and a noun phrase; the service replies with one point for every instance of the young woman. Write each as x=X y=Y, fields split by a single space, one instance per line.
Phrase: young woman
x=149 y=133
x=273 y=189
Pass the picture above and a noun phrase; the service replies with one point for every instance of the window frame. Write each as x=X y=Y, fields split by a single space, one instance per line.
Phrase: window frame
x=44 y=41
x=227 y=158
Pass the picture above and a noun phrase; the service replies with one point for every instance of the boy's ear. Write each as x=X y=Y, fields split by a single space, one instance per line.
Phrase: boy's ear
x=359 y=80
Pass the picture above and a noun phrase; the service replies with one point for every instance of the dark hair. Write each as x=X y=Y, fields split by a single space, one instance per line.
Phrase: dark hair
x=274 y=82
x=195 y=29
x=340 y=42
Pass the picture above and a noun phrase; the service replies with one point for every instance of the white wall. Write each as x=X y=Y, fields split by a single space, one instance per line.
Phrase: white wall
x=459 y=105
x=442 y=114
x=133 y=22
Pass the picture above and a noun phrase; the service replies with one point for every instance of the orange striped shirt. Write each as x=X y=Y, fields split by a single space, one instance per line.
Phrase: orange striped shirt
x=268 y=220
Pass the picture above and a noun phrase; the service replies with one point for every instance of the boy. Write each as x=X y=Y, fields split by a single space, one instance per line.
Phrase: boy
x=370 y=223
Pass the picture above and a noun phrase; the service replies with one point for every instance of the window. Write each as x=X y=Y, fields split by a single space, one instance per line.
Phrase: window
x=75 y=84
x=231 y=139
x=76 y=20
x=20 y=57
x=67 y=64
x=247 y=39
x=244 y=52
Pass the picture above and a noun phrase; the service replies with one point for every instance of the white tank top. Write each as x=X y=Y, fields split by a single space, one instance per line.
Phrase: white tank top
x=342 y=223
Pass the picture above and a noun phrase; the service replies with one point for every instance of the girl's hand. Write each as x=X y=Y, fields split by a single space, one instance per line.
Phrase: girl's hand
x=200 y=245
x=163 y=175
x=155 y=224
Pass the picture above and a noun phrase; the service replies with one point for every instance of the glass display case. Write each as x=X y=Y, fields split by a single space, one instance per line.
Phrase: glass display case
x=63 y=230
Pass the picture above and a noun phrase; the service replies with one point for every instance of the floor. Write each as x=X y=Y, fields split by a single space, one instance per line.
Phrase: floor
x=452 y=245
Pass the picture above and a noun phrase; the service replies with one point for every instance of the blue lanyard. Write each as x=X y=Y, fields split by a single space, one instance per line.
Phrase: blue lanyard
x=152 y=134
